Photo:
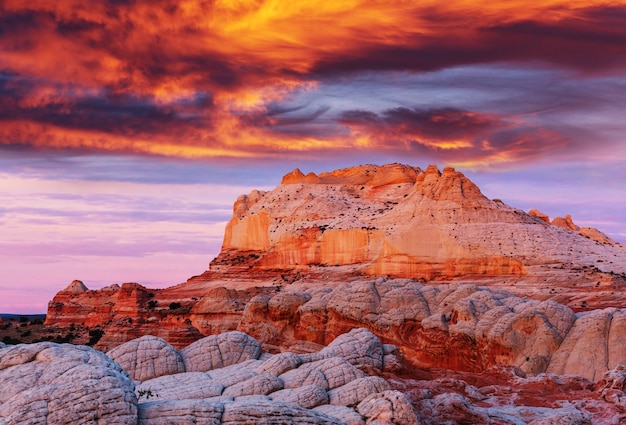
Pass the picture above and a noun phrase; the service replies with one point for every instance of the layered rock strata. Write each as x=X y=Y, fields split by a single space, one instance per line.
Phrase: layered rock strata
x=401 y=221
x=456 y=326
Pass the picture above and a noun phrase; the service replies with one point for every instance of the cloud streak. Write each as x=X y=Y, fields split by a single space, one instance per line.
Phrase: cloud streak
x=219 y=79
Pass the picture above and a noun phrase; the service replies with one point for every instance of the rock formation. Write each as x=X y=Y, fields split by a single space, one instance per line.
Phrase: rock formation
x=396 y=220
x=393 y=220
x=61 y=384
x=445 y=277
x=456 y=326
x=66 y=384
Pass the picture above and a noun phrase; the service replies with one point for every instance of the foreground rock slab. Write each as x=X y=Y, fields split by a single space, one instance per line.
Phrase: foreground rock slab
x=221 y=379
x=47 y=383
x=51 y=384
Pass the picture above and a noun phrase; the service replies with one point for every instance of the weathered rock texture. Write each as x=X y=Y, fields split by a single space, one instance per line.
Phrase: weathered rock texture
x=147 y=357
x=397 y=220
x=455 y=326
x=64 y=384
x=47 y=383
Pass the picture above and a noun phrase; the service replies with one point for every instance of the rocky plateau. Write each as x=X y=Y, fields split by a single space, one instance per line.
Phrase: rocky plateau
x=487 y=314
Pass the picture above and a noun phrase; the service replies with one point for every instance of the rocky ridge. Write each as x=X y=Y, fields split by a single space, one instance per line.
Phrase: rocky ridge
x=228 y=379
x=456 y=326
x=401 y=221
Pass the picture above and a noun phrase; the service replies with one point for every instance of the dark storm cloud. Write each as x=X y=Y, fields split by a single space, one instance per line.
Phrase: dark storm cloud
x=586 y=39
x=107 y=112
x=445 y=124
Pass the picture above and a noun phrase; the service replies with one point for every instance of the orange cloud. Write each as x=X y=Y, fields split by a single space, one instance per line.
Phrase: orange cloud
x=202 y=79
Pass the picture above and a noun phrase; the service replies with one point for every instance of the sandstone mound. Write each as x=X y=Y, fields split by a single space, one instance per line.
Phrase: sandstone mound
x=147 y=357
x=455 y=326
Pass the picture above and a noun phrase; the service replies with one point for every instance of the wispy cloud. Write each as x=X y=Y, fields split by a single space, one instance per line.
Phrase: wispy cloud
x=215 y=80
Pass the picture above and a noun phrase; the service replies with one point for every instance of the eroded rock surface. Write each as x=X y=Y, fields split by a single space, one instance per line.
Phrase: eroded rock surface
x=48 y=383
x=218 y=351
x=400 y=220
x=65 y=384
x=147 y=357
x=456 y=326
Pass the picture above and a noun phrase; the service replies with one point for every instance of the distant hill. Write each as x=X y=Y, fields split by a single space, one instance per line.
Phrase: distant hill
x=17 y=317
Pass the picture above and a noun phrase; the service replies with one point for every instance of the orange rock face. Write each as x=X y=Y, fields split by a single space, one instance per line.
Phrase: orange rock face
x=398 y=220
x=313 y=233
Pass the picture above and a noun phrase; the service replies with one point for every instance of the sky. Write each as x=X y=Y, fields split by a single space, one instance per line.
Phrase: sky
x=129 y=128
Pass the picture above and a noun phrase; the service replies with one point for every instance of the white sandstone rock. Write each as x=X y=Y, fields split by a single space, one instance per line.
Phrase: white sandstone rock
x=279 y=364
x=357 y=390
x=63 y=384
x=391 y=405
x=181 y=386
x=272 y=413
x=358 y=347
x=307 y=396
x=343 y=413
x=258 y=385
x=147 y=357
x=179 y=412
x=221 y=350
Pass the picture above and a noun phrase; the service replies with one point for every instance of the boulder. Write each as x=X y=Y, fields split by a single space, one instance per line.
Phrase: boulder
x=391 y=406
x=308 y=396
x=357 y=390
x=585 y=350
x=304 y=376
x=280 y=363
x=63 y=384
x=147 y=357
x=257 y=385
x=344 y=414
x=337 y=371
x=217 y=351
x=256 y=412
x=181 y=412
x=359 y=347
x=233 y=374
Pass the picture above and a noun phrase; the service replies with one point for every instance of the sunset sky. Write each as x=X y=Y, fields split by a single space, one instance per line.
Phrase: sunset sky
x=128 y=128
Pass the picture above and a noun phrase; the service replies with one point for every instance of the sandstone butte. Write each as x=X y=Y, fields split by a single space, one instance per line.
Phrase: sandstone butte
x=421 y=258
